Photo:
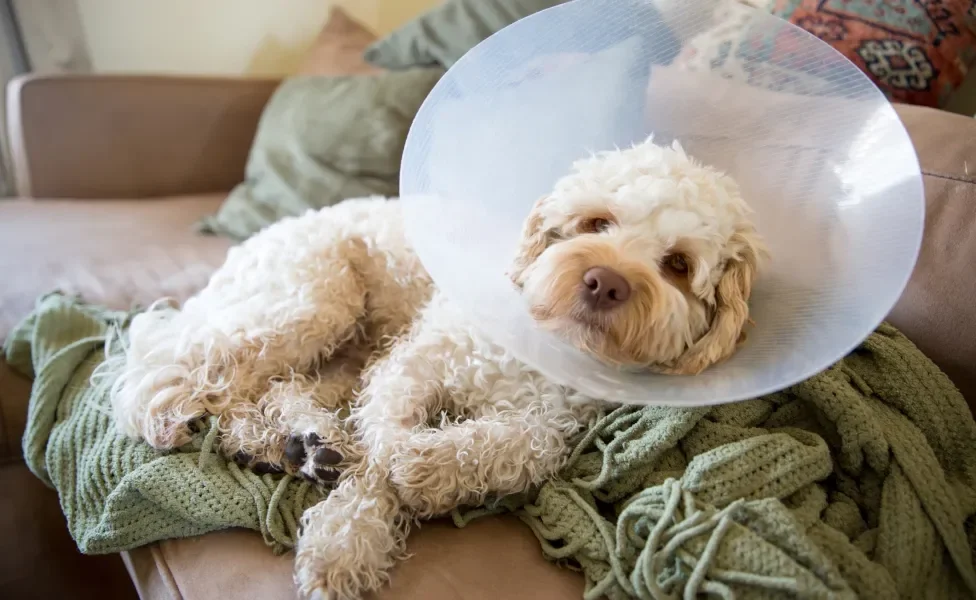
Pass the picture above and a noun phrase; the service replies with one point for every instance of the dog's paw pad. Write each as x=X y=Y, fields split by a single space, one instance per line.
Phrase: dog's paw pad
x=242 y=458
x=323 y=462
x=295 y=452
x=309 y=458
x=327 y=456
x=263 y=468
x=326 y=475
x=246 y=461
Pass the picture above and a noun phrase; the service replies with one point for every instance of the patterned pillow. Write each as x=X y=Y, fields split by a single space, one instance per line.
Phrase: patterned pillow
x=916 y=51
x=737 y=47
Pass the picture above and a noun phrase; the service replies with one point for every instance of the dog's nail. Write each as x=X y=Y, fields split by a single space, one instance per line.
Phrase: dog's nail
x=242 y=458
x=313 y=439
x=295 y=450
x=327 y=456
x=326 y=475
x=263 y=468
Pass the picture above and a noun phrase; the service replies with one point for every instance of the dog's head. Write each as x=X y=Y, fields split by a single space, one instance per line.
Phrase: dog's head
x=643 y=258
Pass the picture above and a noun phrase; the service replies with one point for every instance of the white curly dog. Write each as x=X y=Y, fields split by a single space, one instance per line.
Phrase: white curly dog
x=641 y=257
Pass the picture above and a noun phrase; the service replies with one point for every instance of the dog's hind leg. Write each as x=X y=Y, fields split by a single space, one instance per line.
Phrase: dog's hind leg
x=283 y=302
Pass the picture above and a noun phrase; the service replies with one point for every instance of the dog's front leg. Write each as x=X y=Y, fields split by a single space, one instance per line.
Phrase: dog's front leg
x=462 y=463
x=352 y=539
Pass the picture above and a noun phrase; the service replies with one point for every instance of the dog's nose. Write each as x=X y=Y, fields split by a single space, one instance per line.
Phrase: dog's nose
x=605 y=288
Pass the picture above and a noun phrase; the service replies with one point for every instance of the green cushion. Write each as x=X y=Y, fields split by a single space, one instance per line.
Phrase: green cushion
x=442 y=35
x=322 y=140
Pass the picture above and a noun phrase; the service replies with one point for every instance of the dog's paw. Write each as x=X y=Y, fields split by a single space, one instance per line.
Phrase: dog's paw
x=245 y=460
x=350 y=541
x=166 y=432
x=309 y=456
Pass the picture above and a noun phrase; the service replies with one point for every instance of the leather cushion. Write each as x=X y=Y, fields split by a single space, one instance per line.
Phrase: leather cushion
x=115 y=253
x=937 y=311
x=493 y=558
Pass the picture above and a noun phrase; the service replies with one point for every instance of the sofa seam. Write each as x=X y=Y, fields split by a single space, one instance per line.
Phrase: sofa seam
x=958 y=178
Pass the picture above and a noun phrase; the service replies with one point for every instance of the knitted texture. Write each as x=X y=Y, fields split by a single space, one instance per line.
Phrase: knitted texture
x=118 y=493
x=858 y=483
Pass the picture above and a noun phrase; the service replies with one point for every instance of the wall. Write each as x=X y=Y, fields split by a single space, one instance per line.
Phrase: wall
x=390 y=14
x=224 y=37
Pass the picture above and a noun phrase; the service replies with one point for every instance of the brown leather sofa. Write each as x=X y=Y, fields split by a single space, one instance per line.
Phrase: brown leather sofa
x=113 y=171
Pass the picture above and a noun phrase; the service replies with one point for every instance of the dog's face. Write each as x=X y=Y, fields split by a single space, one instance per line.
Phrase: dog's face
x=642 y=258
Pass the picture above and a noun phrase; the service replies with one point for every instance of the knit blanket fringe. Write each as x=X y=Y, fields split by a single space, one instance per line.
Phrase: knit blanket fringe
x=858 y=483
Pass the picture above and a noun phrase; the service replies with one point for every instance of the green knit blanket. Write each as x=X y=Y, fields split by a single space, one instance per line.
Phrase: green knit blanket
x=860 y=482
x=117 y=493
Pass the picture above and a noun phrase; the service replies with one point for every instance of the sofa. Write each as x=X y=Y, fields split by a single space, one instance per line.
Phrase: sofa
x=113 y=172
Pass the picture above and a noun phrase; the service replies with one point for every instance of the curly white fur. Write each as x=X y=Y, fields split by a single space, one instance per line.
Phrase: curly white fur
x=322 y=289
x=299 y=322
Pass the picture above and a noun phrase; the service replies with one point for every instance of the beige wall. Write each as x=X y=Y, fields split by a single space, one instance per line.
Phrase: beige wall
x=391 y=14
x=230 y=37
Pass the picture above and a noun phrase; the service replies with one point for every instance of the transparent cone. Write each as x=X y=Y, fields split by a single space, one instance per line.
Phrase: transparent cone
x=817 y=150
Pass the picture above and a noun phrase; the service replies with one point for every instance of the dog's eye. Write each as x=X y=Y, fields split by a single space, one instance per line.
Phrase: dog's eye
x=594 y=225
x=677 y=263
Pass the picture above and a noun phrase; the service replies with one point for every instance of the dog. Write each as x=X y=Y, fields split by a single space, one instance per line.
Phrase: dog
x=641 y=257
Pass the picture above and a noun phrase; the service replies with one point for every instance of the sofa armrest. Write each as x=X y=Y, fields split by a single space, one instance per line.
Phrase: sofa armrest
x=120 y=136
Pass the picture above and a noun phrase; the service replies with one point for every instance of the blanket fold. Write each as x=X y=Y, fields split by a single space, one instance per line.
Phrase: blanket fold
x=858 y=483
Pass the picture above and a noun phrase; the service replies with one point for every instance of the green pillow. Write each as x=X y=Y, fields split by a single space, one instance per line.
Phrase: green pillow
x=442 y=35
x=322 y=140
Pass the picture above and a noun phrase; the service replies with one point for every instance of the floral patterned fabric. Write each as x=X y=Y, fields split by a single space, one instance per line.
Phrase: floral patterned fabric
x=733 y=47
x=916 y=51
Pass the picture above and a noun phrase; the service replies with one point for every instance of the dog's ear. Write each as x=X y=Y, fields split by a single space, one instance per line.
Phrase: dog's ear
x=534 y=241
x=731 y=307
